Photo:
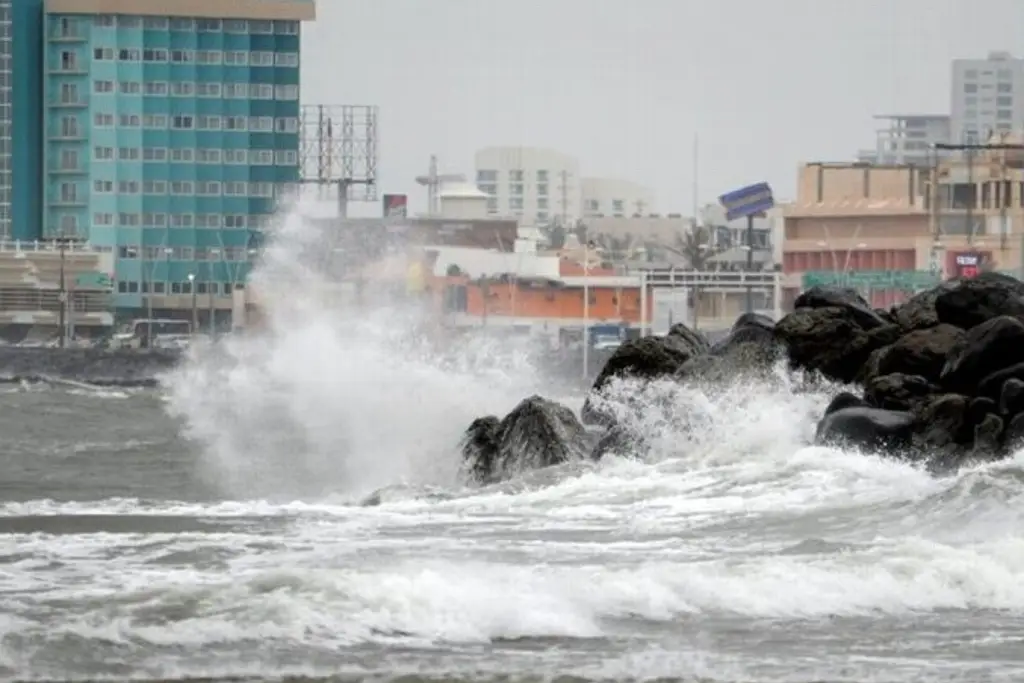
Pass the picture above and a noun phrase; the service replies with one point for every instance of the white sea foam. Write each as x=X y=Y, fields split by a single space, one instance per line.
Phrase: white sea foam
x=729 y=514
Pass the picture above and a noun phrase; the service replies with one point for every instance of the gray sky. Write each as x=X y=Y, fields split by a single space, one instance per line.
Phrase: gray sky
x=624 y=86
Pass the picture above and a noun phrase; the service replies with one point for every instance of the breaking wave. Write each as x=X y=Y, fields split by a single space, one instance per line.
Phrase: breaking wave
x=730 y=549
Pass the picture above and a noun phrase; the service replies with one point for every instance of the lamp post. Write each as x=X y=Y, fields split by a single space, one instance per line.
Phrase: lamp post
x=586 y=309
x=212 y=253
x=195 y=312
x=62 y=294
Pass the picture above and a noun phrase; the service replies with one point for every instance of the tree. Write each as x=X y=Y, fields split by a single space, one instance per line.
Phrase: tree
x=695 y=245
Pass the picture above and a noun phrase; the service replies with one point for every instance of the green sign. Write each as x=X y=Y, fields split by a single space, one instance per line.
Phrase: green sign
x=94 y=280
x=872 y=279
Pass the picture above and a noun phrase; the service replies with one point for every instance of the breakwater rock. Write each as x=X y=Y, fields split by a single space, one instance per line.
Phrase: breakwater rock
x=100 y=367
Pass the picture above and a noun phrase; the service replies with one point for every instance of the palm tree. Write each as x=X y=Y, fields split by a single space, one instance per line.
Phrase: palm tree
x=695 y=245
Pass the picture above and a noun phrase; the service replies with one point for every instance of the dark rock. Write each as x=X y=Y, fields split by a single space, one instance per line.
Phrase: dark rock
x=870 y=429
x=748 y=328
x=979 y=408
x=898 y=391
x=537 y=433
x=987 y=348
x=845 y=400
x=992 y=385
x=830 y=340
x=1011 y=398
x=480 y=446
x=987 y=438
x=101 y=367
x=918 y=312
x=1013 y=434
x=970 y=302
x=618 y=440
x=920 y=352
x=849 y=300
x=944 y=421
x=646 y=358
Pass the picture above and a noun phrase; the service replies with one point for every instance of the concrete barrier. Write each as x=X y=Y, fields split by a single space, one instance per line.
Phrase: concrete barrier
x=102 y=367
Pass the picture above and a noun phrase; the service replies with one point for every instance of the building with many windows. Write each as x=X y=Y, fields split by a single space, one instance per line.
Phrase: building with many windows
x=987 y=96
x=21 y=118
x=533 y=184
x=170 y=129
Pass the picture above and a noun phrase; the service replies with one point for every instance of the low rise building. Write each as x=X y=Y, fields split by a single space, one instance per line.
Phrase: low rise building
x=892 y=230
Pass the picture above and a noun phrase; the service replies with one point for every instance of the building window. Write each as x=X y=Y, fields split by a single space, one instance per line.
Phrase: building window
x=69 y=193
x=103 y=219
x=129 y=54
x=68 y=61
x=515 y=189
x=154 y=121
x=103 y=153
x=103 y=87
x=542 y=176
x=208 y=25
x=542 y=189
x=155 y=187
x=183 y=56
x=128 y=21
x=185 y=155
x=102 y=120
x=179 y=24
x=183 y=89
x=515 y=176
x=262 y=58
x=261 y=26
x=102 y=186
x=1004 y=87
x=128 y=153
x=69 y=127
x=69 y=93
x=130 y=121
x=208 y=89
x=103 y=21
x=236 y=26
x=209 y=57
x=155 y=55
x=130 y=87
x=1004 y=114
x=182 y=122
x=155 y=23
x=154 y=154
x=1004 y=101
x=236 y=58
x=286 y=92
x=286 y=28
x=970 y=87
x=158 y=88
x=68 y=224
x=286 y=59
x=69 y=159
x=487 y=176
x=515 y=203
x=128 y=187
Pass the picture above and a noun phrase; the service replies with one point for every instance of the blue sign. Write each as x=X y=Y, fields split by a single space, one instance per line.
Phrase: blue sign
x=747 y=201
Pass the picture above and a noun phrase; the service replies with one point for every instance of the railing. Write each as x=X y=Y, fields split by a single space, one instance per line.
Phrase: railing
x=47 y=246
x=30 y=299
x=713 y=279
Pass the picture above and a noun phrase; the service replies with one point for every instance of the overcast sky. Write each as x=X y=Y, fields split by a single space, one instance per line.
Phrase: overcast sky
x=625 y=85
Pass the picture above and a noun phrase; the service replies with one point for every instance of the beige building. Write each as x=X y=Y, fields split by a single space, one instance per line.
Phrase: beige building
x=861 y=221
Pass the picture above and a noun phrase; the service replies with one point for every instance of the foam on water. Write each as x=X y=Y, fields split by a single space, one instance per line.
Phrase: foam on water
x=728 y=516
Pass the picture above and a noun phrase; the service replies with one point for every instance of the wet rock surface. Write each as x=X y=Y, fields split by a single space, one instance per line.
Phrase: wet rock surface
x=938 y=380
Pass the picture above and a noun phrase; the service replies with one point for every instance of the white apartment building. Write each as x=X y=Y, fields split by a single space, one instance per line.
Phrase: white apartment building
x=613 y=197
x=533 y=184
x=987 y=96
x=907 y=139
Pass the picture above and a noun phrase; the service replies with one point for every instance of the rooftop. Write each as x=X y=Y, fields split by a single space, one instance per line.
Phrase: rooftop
x=293 y=10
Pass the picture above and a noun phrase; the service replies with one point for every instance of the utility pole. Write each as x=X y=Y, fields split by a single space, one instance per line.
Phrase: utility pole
x=62 y=294
x=564 y=175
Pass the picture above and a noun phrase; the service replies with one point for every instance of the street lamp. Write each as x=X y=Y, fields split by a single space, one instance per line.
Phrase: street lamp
x=62 y=294
x=212 y=253
x=195 y=313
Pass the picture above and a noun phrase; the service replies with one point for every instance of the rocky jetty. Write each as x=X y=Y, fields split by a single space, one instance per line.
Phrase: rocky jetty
x=937 y=380
x=100 y=367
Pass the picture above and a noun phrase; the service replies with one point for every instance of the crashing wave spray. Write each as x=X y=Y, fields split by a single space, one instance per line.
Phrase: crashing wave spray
x=330 y=398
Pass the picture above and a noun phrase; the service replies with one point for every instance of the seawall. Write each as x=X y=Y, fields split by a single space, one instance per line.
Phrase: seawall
x=102 y=367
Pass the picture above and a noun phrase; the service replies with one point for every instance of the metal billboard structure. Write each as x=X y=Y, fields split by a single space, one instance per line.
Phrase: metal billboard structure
x=338 y=147
x=748 y=202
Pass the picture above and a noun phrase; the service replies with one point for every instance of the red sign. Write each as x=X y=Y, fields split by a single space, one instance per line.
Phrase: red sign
x=968 y=264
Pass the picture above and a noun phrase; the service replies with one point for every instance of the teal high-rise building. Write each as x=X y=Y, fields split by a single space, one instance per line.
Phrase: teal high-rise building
x=169 y=131
x=21 y=118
